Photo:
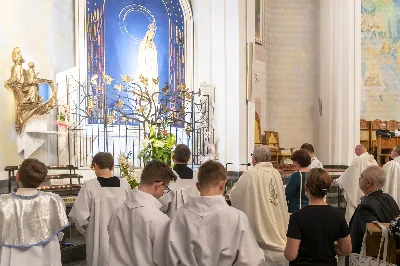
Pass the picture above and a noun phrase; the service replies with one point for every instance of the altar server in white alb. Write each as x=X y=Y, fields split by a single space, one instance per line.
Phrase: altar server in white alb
x=31 y=221
x=92 y=210
x=260 y=195
x=349 y=180
x=315 y=163
x=207 y=231
x=392 y=173
x=138 y=228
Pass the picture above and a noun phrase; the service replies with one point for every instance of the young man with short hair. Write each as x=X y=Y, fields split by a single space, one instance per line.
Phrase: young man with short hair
x=181 y=158
x=138 y=228
x=92 y=210
x=206 y=231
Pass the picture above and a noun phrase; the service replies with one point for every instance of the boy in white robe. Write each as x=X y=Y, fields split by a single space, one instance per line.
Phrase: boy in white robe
x=206 y=231
x=392 y=173
x=349 y=180
x=92 y=210
x=315 y=163
x=31 y=220
x=138 y=228
x=259 y=193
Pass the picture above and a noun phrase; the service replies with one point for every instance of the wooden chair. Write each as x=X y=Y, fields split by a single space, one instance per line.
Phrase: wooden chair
x=272 y=141
x=375 y=125
x=365 y=134
x=374 y=239
x=391 y=125
x=386 y=144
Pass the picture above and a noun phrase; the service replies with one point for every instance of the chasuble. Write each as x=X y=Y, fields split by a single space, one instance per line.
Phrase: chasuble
x=349 y=182
x=260 y=195
x=392 y=183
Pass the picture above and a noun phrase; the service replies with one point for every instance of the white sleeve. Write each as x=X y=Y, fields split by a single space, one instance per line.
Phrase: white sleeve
x=160 y=235
x=249 y=253
x=80 y=212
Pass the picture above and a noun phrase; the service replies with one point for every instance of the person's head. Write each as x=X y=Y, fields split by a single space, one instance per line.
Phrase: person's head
x=103 y=164
x=318 y=183
x=308 y=147
x=261 y=154
x=155 y=178
x=31 y=173
x=372 y=179
x=212 y=178
x=395 y=152
x=382 y=126
x=398 y=126
x=31 y=65
x=360 y=149
x=181 y=154
x=301 y=158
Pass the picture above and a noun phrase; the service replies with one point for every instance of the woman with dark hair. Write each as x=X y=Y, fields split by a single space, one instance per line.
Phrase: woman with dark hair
x=295 y=193
x=313 y=230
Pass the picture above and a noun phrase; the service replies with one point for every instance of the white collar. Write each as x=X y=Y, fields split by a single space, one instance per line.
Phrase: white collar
x=204 y=206
x=264 y=165
x=137 y=198
x=27 y=191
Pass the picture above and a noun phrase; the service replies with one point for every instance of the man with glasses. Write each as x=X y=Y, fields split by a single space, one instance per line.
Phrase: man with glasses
x=138 y=228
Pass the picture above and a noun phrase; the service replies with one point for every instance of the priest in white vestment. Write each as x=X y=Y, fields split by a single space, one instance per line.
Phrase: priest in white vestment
x=92 y=210
x=392 y=173
x=206 y=231
x=349 y=180
x=138 y=228
x=260 y=194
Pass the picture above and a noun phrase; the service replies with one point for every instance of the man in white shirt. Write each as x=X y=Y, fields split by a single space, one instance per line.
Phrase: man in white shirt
x=392 y=173
x=208 y=232
x=349 y=180
x=315 y=163
x=138 y=228
x=260 y=194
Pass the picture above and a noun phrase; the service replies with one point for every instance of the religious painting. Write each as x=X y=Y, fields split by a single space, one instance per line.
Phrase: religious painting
x=259 y=21
x=380 y=60
x=142 y=39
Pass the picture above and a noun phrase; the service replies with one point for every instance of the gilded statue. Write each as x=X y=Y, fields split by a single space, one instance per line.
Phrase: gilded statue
x=25 y=86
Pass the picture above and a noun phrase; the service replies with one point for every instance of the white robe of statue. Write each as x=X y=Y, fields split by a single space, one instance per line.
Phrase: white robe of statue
x=137 y=231
x=91 y=213
x=206 y=231
x=148 y=64
x=392 y=173
x=260 y=194
x=349 y=182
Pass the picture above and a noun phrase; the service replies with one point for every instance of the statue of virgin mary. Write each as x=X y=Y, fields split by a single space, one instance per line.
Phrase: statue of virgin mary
x=148 y=65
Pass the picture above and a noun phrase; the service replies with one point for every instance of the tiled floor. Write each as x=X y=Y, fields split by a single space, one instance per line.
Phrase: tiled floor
x=78 y=263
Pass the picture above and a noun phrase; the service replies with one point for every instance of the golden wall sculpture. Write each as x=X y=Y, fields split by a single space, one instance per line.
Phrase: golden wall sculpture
x=25 y=86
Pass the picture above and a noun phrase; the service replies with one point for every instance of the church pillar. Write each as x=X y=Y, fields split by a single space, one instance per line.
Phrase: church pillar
x=220 y=61
x=340 y=80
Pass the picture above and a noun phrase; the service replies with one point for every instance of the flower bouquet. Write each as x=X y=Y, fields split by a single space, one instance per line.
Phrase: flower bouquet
x=127 y=170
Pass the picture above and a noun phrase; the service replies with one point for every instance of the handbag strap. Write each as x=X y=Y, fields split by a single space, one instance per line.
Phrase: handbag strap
x=384 y=239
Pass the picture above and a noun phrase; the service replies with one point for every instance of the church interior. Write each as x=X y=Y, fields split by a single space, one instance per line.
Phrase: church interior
x=138 y=78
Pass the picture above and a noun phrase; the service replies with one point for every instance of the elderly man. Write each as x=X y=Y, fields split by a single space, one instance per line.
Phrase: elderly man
x=382 y=131
x=348 y=181
x=260 y=194
x=375 y=205
x=392 y=175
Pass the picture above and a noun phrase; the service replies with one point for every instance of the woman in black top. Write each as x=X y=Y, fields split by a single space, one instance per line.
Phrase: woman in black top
x=313 y=230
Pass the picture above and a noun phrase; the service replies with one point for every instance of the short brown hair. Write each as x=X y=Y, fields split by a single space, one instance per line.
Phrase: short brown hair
x=182 y=153
x=32 y=173
x=318 y=182
x=211 y=173
x=307 y=147
x=104 y=160
x=397 y=150
x=156 y=171
x=301 y=157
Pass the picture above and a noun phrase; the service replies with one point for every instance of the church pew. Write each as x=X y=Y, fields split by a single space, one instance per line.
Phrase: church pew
x=374 y=234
